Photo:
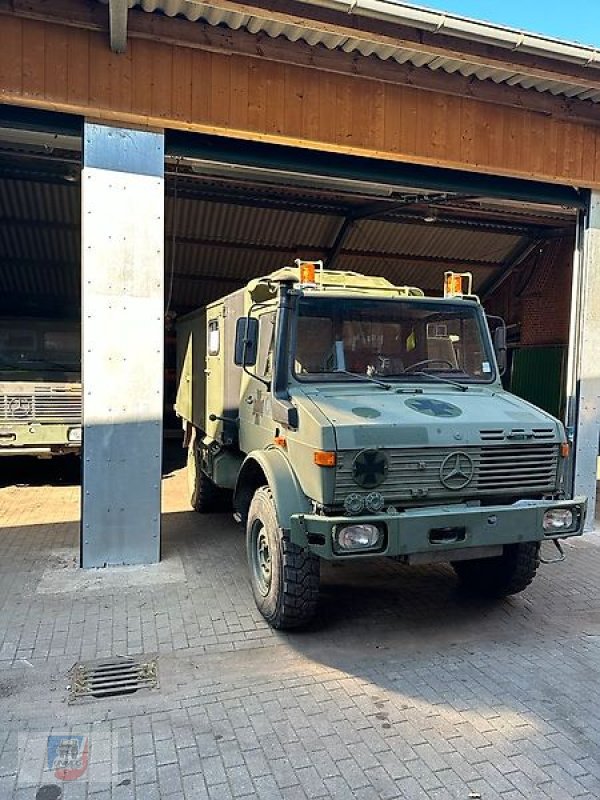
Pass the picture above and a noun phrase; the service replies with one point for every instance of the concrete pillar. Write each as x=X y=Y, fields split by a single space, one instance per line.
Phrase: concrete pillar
x=122 y=207
x=588 y=361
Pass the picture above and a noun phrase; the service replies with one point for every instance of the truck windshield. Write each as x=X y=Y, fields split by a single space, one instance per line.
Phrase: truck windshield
x=397 y=339
x=39 y=344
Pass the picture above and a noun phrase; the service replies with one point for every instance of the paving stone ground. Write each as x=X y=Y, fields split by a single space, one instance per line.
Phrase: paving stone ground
x=402 y=688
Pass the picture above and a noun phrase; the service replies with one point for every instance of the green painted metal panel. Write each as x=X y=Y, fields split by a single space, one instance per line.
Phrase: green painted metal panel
x=538 y=376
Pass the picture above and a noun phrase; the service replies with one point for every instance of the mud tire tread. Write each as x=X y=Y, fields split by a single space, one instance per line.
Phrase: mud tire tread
x=293 y=599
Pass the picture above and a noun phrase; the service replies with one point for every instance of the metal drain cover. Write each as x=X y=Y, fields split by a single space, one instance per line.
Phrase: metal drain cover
x=113 y=677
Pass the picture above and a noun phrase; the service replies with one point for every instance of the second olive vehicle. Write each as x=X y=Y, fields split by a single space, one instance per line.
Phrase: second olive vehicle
x=348 y=418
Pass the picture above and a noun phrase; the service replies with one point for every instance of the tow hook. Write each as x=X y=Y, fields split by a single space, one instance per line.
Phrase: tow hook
x=560 y=557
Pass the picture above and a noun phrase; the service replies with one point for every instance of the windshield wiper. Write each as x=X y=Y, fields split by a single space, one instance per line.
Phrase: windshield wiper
x=365 y=378
x=463 y=387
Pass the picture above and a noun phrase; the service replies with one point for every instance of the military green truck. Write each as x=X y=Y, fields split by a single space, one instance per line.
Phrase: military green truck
x=349 y=418
x=40 y=387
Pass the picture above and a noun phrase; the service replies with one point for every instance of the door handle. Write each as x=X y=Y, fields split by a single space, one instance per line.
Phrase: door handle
x=249 y=399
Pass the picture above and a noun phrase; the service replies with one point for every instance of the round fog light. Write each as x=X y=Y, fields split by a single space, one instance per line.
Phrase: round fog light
x=558 y=519
x=374 y=502
x=358 y=537
x=354 y=504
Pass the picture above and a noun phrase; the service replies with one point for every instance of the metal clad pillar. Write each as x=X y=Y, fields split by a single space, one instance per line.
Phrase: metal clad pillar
x=122 y=206
x=588 y=356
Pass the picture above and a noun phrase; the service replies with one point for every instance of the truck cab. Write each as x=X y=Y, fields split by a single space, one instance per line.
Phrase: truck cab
x=351 y=419
x=40 y=387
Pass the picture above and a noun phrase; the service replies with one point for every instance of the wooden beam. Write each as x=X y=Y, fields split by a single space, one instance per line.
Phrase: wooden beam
x=92 y=15
x=221 y=39
x=201 y=35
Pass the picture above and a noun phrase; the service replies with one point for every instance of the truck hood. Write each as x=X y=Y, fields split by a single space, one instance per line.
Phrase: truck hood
x=434 y=416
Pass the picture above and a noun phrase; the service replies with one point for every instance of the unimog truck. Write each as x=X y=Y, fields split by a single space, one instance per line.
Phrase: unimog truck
x=40 y=387
x=347 y=418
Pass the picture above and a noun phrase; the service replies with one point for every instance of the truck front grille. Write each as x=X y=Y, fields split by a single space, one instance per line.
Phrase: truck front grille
x=412 y=475
x=44 y=404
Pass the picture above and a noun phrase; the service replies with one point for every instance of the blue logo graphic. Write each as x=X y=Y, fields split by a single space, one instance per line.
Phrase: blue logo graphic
x=68 y=756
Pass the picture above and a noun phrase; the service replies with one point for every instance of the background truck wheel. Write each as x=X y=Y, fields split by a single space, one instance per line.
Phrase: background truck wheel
x=284 y=578
x=507 y=574
x=205 y=496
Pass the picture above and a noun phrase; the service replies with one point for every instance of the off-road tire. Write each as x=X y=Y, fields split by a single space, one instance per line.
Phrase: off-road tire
x=504 y=575
x=286 y=590
x=205 y=496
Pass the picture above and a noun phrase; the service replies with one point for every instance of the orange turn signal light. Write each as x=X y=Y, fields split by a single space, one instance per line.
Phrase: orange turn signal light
x=565 y=449
x=280 y=440
x=325 y=458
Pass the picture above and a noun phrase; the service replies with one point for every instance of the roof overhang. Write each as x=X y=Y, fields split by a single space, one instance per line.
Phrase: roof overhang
x=574 y=71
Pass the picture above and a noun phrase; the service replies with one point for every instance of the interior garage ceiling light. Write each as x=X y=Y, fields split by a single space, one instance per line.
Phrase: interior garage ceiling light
x=290 y=178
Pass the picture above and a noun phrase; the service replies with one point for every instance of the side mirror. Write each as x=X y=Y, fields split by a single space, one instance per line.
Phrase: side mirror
x=246 y=341
x=500 y=347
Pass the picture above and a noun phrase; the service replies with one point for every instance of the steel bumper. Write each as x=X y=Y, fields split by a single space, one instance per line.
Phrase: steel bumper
x=39 y=439
x=440 y=528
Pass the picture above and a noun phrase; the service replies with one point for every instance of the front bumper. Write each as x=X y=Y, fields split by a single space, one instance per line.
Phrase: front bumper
x=39 y=439
x=421 y=530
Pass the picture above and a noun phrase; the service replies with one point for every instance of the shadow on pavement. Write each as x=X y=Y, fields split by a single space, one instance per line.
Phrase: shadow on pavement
x=66 y=470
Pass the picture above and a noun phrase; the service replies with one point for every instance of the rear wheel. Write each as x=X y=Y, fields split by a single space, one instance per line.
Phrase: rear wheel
x=504 y=575
x=205 y=496
x=284 y=578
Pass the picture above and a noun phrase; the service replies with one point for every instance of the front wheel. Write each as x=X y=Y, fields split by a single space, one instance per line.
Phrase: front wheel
x=284 y=578
x=501 y=576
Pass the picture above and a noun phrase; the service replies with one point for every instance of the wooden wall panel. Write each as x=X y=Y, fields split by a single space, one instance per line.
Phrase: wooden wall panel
x=160 y=84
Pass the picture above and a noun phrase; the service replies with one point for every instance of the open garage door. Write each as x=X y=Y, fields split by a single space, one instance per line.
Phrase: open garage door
x=237 y=212
x=40 y=397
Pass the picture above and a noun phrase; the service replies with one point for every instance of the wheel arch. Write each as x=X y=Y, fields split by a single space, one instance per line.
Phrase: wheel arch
x=270 y=467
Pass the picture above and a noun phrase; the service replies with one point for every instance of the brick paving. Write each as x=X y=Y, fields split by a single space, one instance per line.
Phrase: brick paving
x=402 y=688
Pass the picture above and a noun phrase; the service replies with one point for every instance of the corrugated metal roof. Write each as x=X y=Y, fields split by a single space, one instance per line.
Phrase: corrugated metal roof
x=220 y=245
x=416 y=240
x=199 y=219
x=314 y=33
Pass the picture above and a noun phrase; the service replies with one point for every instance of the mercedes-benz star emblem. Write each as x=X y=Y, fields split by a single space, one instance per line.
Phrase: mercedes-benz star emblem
x=370 y=468
x=457 y=470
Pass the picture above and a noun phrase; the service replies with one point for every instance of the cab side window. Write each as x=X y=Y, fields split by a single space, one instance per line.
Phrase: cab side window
x=214 y=338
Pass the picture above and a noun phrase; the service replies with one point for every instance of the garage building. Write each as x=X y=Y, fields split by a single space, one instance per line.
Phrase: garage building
x=154 y=158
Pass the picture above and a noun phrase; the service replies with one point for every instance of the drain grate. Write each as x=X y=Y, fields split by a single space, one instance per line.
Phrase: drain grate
x=113 y=677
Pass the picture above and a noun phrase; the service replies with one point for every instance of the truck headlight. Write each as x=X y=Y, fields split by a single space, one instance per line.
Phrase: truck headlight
x=558 y=519
x=349 y=538
x=74 y=434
